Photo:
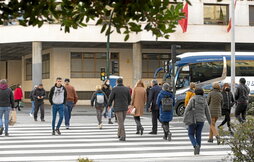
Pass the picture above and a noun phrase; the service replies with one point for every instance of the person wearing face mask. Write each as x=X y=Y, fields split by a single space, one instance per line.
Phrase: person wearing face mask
x=228 y=102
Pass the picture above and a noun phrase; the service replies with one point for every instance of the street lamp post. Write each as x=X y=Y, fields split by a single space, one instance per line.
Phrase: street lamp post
x=232 y=46
x=108 y=44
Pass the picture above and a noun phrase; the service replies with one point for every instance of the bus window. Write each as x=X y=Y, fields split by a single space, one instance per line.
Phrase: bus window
x=242 y=68
x=183 y=79
x=204 y=71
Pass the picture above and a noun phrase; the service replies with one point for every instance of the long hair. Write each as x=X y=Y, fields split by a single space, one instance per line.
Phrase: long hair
x=140 y=83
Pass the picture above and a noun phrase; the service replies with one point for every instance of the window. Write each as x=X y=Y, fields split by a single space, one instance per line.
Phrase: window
x=251 y=15
x=150 y=62
x=46 y=66
x=88 y=65
x=242 y=68
x=183 y=79
x=204 y=71
x=216 y=14
x=28 y=64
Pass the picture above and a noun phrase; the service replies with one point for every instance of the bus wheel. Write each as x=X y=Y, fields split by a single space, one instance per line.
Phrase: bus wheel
x=180 y=109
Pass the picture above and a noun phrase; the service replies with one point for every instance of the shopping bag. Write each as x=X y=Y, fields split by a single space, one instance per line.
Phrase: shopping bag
x=12 y=117
x=131 y=110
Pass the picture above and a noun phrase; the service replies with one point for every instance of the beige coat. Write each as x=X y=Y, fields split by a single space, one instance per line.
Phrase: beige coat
x=215 y=102
x=138 y=100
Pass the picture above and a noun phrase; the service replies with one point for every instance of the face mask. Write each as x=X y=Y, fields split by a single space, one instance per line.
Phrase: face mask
x=227 y=89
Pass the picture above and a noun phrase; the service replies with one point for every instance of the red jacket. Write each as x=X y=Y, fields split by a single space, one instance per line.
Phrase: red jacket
x=18 y=95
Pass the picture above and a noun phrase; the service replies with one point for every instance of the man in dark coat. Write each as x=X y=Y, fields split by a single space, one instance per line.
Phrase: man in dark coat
x=39 y=94
x=153 y=93
x=242 y=99
x=122 y=98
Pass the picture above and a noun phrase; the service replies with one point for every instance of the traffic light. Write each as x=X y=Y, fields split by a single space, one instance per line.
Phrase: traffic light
x=166 y=66
x=114 y=67
x=103 y=74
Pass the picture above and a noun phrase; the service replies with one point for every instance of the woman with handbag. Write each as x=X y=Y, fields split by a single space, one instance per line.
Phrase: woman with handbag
x=194 y=117
x=138 y=102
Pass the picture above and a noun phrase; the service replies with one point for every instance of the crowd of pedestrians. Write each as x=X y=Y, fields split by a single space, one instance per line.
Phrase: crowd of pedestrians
x=158 y=99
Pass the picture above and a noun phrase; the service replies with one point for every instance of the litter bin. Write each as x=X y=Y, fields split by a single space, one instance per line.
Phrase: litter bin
x=113 y=79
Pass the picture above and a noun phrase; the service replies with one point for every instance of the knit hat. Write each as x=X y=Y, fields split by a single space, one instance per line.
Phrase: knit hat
x=166 y=87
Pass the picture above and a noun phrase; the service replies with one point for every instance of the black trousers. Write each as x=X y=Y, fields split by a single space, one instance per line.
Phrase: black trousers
x=165 y=126
x=37 y=106
x=138 y=122
x=240 y=112
x=226 y=120
x=155 y=118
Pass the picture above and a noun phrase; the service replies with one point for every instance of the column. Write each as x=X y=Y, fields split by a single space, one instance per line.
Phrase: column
x=36 y=63
x=137 y=62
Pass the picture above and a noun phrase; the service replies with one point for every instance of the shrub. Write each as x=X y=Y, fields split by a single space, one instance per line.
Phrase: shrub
x=84 y=160
x=241 y=141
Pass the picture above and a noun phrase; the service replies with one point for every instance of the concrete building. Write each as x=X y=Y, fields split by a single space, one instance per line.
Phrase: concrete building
x=30 y=55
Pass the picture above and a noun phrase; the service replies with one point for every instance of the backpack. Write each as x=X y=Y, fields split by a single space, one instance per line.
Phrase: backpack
x=167 y=104
x=100 y=99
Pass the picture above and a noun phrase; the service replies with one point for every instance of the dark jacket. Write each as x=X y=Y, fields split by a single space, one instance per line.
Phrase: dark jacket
x=153 y=94
x=39 y=92
x=228 y=102
x=121 y=97
x=165 y=116
x=106 y=89
x=31 y=94
x=93 y=99
x=57 y=95
x=242 y=93
x=215 y=102
x=200 y=109
x=6 y=96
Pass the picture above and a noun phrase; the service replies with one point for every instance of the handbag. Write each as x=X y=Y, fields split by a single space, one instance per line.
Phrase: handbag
x=131 y=110
x=12 y=117
x=189 y=117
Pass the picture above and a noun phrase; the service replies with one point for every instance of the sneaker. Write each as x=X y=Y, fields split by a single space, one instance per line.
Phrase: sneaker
x=58 y=132
x=100 y=126
x=31 y=115
x=42 y=120
x=218 y=140
x=6 y=134
x=141 y=131
x=1 y=130
x=67 y=127
x=122 y=139
x=53 y=132
x=35 y=120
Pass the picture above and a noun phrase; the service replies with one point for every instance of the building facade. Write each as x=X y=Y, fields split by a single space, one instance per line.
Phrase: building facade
x=30 y=55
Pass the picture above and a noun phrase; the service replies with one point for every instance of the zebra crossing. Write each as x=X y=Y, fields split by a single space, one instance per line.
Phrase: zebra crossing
x=35 y=143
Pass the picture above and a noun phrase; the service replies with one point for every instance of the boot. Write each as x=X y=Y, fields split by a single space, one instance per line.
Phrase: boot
x=137 y=130
x=109 y=121
x=169 y=136
x=196 y=150
x=218 y=140
x=210 y=140
x=141 y=130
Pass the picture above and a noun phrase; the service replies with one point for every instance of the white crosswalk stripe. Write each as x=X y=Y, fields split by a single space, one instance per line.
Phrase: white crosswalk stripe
x=35 y=143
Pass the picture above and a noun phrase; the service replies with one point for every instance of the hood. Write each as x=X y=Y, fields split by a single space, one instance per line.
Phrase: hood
x=166 y=93
x=199 y=98
x=3 y=86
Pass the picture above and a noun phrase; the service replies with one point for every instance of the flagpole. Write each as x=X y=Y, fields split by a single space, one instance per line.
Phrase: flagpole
x=232 y=46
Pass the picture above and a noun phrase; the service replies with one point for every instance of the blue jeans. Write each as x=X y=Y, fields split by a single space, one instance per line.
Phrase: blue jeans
x=33 y=106
x=195 y=132
x=60 y=109
x=67 y=112
x=4 y=111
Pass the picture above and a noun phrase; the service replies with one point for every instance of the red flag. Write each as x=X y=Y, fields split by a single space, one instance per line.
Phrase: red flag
x=184 y=21
x=229 y=22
